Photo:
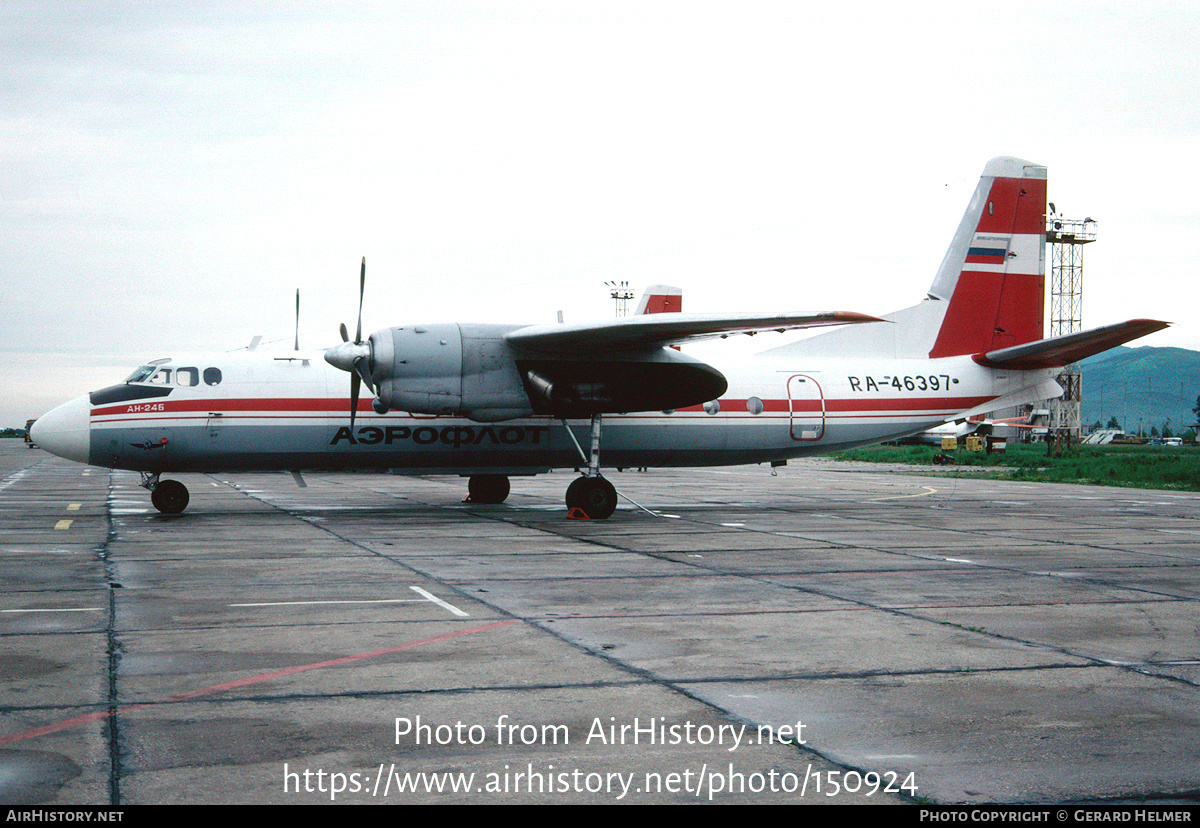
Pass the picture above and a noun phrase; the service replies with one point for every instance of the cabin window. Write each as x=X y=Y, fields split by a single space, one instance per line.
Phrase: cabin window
x=187 y=376
x=212 y=376
x=754 y=405
x=712 y=407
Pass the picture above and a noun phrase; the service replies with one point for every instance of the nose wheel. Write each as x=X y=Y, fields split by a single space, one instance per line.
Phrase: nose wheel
x=170 y=497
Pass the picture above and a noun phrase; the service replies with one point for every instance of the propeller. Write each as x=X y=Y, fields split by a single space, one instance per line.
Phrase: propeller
x=354 y=357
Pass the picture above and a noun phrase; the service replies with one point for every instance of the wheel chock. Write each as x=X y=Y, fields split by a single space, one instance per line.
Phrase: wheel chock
x=575 y=513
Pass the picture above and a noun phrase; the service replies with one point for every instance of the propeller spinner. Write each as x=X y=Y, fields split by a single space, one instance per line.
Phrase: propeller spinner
x=354 y=357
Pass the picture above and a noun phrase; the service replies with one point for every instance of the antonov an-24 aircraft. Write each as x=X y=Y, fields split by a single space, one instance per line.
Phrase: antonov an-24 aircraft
x=489 y=401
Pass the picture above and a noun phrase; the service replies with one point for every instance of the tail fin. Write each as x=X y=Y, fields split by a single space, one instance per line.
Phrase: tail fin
x=660 y=299
x=994 y=274
x=989 y=292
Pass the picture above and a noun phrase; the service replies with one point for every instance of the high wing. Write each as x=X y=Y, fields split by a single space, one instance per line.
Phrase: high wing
x=659 y=330
x=625 y=365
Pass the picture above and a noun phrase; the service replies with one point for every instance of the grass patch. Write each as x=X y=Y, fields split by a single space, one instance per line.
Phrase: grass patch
x=1148 y=467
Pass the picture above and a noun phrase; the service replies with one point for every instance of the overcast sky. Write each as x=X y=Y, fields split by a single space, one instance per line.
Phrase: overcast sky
x=174 y=171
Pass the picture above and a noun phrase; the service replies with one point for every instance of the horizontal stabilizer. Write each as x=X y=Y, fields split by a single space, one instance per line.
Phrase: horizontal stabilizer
x=662 y=329
x=1063 y=350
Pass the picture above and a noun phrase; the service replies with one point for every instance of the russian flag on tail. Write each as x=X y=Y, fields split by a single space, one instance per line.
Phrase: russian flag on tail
x=991 y=251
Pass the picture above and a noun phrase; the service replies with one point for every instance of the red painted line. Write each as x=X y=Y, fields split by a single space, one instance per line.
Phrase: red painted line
x=87 y=718
x=185 y=421
x=339 y=406
x=933 y=404
x=835 y=408
x=234 y=404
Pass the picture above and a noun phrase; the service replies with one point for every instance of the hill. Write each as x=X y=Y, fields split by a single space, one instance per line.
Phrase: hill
x=1146 y=386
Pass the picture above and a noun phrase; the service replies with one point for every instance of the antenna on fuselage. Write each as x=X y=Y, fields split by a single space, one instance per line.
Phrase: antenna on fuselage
x=297 y=319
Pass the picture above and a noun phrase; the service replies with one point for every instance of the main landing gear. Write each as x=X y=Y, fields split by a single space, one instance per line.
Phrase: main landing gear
x=487 y=488
x=591 y=494
x=168 y=496
x=594 y=496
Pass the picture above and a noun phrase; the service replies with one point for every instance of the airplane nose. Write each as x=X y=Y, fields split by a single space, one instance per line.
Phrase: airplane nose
x=64 y=430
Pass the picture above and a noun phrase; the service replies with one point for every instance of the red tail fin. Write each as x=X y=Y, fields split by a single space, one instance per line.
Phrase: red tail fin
x=661 y=299
x=989 y=291
x=993 y=275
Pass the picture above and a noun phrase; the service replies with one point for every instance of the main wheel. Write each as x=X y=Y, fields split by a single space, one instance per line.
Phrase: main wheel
x=594 y=495
x=487 y=488
x=170 y=497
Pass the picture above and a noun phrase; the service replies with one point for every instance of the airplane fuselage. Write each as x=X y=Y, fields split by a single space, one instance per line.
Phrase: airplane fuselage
x=251 y=411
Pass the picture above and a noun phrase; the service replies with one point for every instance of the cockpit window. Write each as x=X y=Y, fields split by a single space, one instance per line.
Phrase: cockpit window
x=142 y=374
x=158 y=374
x=152 y=372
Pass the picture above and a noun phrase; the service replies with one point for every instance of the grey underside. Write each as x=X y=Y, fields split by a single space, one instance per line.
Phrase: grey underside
x=449 y=445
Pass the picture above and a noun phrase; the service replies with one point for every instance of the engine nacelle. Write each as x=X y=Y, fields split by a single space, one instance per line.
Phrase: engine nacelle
x=448 y=368
x=649 y=380
x=472 y=371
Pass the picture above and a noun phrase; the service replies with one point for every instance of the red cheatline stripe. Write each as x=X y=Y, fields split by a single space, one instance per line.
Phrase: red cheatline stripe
x=66 y=724
x=234 y=404
x=932 y=404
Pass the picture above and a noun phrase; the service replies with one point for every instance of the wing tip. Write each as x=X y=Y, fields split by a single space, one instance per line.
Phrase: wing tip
x=853 y=316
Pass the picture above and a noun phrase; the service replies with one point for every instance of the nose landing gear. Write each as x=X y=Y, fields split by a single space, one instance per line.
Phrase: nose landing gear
x=168 y=496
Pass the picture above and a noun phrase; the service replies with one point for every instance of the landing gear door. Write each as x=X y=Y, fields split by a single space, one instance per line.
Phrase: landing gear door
x=806 y=403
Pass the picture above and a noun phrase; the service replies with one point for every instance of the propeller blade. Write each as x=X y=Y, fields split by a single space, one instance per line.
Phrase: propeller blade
x=362 y=368
x=362 y=287
x=353 y=357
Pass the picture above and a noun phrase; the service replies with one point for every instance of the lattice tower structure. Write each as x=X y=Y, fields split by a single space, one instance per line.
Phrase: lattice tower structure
x=1066 y=238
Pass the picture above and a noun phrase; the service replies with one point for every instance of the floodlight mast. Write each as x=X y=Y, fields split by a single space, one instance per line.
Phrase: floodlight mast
x=621 y=293
x=1066 y=238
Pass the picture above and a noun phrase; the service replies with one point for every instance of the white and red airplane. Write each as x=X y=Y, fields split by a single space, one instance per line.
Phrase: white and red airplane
x=489 y=401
